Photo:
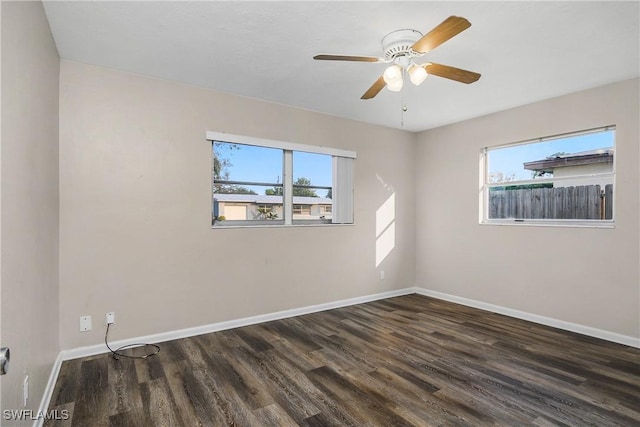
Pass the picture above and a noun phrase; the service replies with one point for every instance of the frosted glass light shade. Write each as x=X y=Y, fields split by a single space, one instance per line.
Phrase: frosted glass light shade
x=417 y=74
x=392 y=74
x=396 y=86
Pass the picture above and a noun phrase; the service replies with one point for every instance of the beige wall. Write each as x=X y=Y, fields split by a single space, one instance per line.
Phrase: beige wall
x=583 y=275
x=135 y=233
x=29 y=192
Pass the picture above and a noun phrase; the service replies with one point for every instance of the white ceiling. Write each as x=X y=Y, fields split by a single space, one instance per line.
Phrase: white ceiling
x=525 y=51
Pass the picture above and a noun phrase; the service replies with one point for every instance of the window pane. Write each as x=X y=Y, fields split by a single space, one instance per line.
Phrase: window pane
x=245 y=163
x=312 y=192
x=311 y=169
x=247 y=183
x=568 y=156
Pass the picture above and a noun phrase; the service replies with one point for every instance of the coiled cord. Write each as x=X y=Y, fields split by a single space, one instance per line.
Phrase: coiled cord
x=116 y=353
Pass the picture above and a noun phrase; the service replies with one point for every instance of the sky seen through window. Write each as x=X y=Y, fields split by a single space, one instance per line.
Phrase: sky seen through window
x=509 y=160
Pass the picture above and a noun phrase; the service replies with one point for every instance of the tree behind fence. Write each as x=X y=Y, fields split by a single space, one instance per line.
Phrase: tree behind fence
x=581 y=202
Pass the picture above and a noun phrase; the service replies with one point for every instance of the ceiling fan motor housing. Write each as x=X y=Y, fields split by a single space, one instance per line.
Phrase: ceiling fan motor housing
x=398 y=43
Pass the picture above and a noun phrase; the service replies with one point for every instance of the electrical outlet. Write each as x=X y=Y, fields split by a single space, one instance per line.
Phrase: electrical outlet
x=25 y=390
x=85 y=323
x=110 y=318
x=381 y=274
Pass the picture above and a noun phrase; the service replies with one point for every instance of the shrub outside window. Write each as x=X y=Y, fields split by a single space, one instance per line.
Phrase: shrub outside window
x=560 y=180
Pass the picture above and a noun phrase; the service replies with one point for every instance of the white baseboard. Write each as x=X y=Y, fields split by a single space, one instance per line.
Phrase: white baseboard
x=543 y=320
x=230 y=324
x=48 y=391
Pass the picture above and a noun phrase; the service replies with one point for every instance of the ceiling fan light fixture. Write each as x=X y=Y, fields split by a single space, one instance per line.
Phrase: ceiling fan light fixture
x=396 y=86
x=417 y=74
x=393 y=74
x=400 y=49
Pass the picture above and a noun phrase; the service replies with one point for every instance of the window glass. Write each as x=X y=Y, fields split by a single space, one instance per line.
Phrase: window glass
x=557 y=157
x=248 y=164
x=247 y=183
x=312 y=192
x=562 y=179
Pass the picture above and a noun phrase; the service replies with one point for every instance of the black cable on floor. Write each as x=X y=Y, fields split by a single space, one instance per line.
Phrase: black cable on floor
x=116 y=353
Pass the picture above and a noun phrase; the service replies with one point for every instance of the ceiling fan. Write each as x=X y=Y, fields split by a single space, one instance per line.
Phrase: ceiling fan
x=401 y=47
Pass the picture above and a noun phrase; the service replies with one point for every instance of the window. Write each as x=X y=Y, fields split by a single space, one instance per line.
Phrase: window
x=324 y=210
x=262 y=182
x=560 y=180
x=301 y=210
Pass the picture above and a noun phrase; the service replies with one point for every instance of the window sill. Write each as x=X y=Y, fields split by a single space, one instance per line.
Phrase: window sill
x=538 y=223
x=221 y=227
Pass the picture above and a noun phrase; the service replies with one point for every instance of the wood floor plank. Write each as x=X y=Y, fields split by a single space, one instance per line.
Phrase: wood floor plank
x=124 y=394
x=236 y=377
x=367 y=405
x=67 y=383
x=286 y=393
x=92 y=396
x=172 y=352
x=192 y=399
x=274 y=415
x=148 y=369
x=409 y=360
x=252 y=337
x=158 y=401
x=224 y=402
x=286 y=329
x=63 y=416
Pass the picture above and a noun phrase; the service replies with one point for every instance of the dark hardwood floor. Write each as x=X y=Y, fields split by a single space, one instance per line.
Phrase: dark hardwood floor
x=409 y=360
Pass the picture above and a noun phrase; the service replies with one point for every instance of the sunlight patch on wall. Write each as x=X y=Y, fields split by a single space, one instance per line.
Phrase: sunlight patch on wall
x=385 y=229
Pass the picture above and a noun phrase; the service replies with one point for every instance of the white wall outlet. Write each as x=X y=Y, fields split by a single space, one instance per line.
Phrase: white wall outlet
x=110 y=318
x=85 y=323
x=381 y=274
x=25 y=390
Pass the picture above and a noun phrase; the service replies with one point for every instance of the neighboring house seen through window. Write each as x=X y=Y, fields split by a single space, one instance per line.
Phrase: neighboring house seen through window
x=560 y=180
x=260 y=182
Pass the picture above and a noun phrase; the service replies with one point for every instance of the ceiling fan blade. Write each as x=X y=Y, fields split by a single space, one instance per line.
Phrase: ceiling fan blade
x=449 y=28
x=452 y=73
x=374 y=89
x=346 y=58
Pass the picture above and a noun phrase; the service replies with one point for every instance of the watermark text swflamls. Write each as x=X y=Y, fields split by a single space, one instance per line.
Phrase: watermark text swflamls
x=31 y=415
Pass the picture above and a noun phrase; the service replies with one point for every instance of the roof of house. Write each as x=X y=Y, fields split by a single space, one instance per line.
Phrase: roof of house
x=274 y=200
x=602 y=155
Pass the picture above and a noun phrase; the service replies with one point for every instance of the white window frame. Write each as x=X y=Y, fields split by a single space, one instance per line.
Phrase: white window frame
x=485 y=186
x=342 y=179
